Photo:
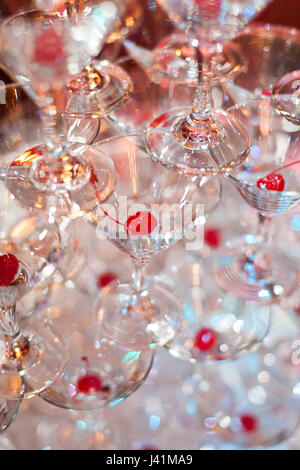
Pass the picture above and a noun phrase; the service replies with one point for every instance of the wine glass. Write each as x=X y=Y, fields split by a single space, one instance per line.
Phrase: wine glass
x=255 y=269
x=55 y=176
x=102 y=86
x=31 y=249
x=185 y=138
x=285 y=95
x=99 y=372
x=216 y=326
x=270 y=51
x=150 y=210
x=248 y=402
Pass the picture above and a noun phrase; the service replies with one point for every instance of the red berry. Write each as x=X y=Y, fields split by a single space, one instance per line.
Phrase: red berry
x=148 y=448
x=89 y=384
x=9 y=267
x=212 y=237
x=48 y=48
x=271 y=182
x=105 y=279
x=249 y=423
x=205 y=339
x=141 y=223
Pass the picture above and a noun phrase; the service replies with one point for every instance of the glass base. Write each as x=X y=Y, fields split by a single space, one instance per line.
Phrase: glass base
x=286 y=97
x=257 y=274
x=37 y=368
x=148 y=322
x=8 y=412
x=88 y=97
x=175 y=58
x=193 y=154
x=98 y=372
x=20 y=183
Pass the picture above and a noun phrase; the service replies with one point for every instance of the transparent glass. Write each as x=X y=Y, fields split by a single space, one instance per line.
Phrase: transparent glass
x=273 y=50
x=286 y=96
x=268 y=181
x=249 y=403
x=150 y=210
x=217 y=326
x=53 y=51
x=184 y=139
x=99 y=372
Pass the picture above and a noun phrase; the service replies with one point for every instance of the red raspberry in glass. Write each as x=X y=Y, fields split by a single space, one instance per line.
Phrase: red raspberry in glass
x=271 y=182
x=48 y=48
x=249 y=423
x=106 y=278
x=9 y=267
x=141 y=223
x=212 y=237
x=205 y=339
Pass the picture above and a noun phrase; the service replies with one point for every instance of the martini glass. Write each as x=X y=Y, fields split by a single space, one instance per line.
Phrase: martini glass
x=99 y=372
x=256 y=269
x=31 y=249
x=150 y=210
x=216 y=326
x=248 y=403
x=286 y=96
x=271 y=51
x=102 y=86
x=56 y=176
x=185 y=138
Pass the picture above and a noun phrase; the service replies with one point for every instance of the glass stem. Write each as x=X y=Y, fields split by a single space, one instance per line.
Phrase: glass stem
x=139 y=274
x=53 y=120
x=202 y=104
x=15 y=345
x=264 y=229
x=8 y=322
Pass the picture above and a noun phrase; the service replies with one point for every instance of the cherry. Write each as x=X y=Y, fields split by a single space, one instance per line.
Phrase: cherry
x=272 y=182
x=106 y=278
x=48 y=48
x=212 y=237
x=266 y=93
x=249 y=423
x=205 y=339
x=141 y=223
x=9 y=267
x=89 y=383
